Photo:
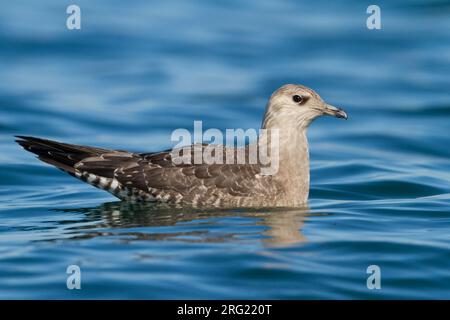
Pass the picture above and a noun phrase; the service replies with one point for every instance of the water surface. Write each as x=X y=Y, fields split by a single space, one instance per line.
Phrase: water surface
x=380 y=182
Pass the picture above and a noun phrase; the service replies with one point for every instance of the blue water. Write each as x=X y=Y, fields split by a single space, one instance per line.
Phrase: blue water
x=380 y=182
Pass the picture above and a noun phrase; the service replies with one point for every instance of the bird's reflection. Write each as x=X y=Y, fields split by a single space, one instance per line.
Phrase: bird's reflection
x=281 y=227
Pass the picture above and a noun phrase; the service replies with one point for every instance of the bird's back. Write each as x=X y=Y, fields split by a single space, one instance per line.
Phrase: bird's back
x=156 y=177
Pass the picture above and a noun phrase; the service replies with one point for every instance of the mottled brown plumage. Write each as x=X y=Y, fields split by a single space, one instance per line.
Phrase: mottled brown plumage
x=155 y=177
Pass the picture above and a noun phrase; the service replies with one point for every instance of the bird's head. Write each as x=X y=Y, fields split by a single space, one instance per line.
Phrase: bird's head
x=295 y=105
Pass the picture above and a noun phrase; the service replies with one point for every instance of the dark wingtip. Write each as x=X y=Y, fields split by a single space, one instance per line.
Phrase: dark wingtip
x=23 y=142
x=25 y=137
x=27 y=142
x=20 y=139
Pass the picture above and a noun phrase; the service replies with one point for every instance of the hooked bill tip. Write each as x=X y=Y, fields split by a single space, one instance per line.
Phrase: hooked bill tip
x=335 y=112
x=341 y=114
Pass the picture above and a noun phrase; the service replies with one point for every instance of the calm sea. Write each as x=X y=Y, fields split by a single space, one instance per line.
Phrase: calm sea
x=380 y=182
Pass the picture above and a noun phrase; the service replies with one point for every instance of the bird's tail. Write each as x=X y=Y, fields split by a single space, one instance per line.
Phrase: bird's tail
x=61 y=155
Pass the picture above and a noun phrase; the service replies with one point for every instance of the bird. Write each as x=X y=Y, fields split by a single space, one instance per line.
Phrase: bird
x=156 y=177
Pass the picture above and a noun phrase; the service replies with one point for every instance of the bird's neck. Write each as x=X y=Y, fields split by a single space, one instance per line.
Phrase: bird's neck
x=293 y=162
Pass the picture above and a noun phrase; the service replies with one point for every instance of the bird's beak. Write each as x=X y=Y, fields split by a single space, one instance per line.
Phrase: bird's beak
x=335 y=112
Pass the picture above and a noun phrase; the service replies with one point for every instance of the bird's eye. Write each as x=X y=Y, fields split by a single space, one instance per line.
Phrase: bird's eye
x=297 y=98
